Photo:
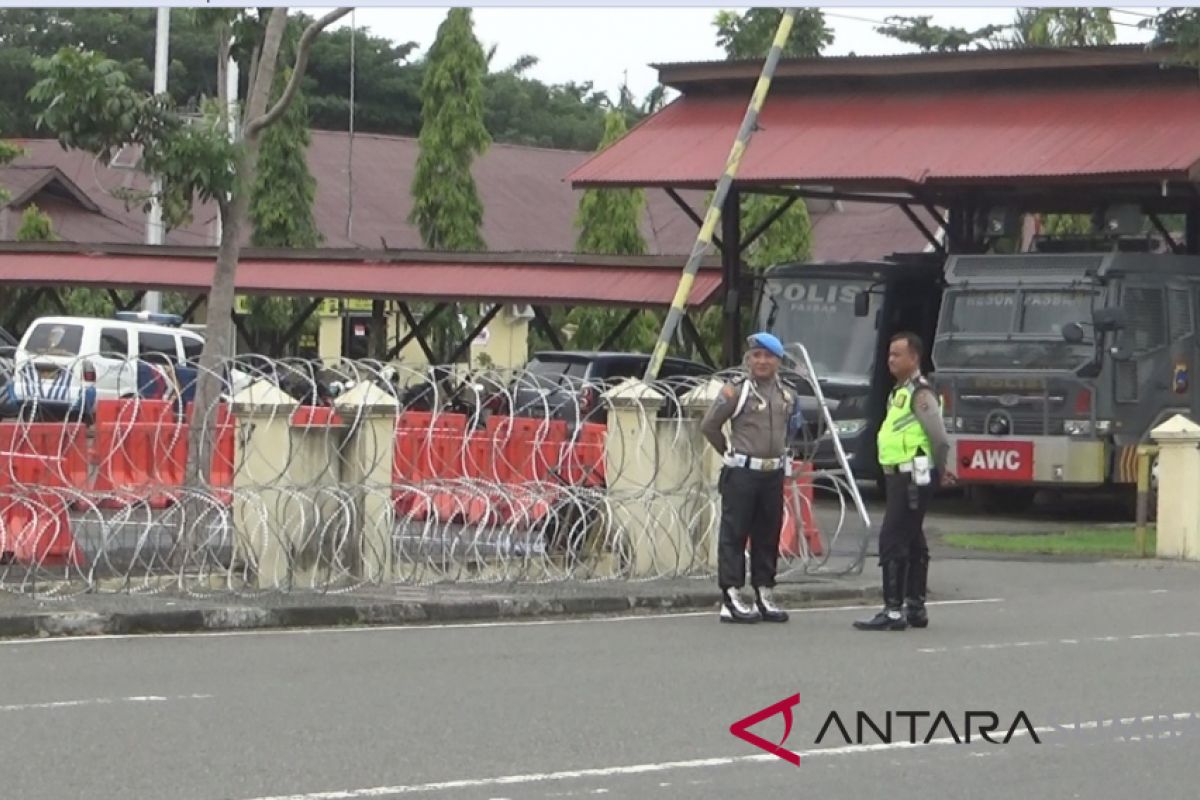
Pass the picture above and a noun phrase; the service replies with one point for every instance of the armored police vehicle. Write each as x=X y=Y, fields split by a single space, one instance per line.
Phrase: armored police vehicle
x=1054 y=367
x=845 y=314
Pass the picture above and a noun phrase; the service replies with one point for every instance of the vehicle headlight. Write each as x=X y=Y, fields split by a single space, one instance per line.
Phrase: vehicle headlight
x=1083 y=427
x=849 y=427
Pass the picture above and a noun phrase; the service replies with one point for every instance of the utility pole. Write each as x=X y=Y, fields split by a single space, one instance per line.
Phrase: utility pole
x=716 y=206
x=154 y=225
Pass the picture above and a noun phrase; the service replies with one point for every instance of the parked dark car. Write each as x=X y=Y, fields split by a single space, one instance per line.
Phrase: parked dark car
x=569 y=384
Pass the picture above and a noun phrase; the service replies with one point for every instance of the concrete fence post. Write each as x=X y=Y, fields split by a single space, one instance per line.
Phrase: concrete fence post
x=1178 y=500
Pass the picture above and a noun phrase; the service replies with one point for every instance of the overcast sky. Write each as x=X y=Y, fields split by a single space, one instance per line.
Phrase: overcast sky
x=601 y=44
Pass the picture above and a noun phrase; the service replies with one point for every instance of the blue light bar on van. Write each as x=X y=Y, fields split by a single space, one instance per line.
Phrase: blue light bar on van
x=174 y=320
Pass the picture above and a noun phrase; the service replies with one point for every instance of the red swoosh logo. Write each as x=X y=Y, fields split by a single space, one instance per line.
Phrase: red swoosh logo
x=741 y=730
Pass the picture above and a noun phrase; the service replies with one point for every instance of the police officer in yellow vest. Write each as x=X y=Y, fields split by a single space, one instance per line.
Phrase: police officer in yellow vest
x=913 y=452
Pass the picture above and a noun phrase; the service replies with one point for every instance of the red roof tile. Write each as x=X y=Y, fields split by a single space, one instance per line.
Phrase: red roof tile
x=528 y=204
x=911 y=137
x=549 y=279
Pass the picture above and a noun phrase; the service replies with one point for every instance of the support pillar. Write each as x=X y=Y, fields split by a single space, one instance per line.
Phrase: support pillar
x=632 y=462
x=731 y=278
x=706 y=469
x=1192 y=232
x=1178 y=501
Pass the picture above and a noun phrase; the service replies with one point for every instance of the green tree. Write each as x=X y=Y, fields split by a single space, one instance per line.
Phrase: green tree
x=1062 y=27
x=524 y=111
x=281 y=212
x=281 y=201
x=749 y=35
x=921 y=32
x=8 y=152
x=36 y=226
x=91 y=104
x=519 y=108
x=446 y=205
x=387 y=85
x=609 y=221
x=1179 y=28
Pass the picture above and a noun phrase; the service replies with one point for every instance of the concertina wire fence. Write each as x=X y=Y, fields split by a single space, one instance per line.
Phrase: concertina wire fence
x=334 y=478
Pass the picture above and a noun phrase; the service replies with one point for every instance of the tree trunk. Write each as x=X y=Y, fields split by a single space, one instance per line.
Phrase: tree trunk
x=223 y=44
x=215 y=367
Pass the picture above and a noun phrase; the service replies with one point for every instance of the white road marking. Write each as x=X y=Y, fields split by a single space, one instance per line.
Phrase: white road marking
x=446 y=626
x=700 y=763
x=1106 y=639
x=703 y=763
x=102 y=701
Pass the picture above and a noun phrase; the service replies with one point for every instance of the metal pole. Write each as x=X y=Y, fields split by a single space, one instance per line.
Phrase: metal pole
x=704 y=238
x=1145 y=457
x=152 y=302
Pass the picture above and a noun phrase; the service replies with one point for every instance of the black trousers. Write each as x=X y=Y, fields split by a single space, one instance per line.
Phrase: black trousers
x=902 y=533
x=751 y=506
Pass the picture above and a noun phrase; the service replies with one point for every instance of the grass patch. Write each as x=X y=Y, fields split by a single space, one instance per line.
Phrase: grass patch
x=1108 y=543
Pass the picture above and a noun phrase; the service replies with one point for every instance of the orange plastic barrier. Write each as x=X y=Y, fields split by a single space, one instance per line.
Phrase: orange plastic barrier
x=583 y=456
x=141 y=452
x=45 y=454
x=509 y=472
x=427 y=446
x=35 y=530
x=789 y=543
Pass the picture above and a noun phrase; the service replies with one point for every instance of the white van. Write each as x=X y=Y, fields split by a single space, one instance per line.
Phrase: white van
x=67 y=363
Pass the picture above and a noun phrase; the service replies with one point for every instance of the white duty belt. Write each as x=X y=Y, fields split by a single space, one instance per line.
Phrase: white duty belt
x=754 y=463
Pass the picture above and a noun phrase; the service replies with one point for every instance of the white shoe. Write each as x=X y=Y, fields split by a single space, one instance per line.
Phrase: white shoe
x=734 y=609
x=767 y=608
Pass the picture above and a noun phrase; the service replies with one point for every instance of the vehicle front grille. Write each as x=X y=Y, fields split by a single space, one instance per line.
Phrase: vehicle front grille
x=1022 y=425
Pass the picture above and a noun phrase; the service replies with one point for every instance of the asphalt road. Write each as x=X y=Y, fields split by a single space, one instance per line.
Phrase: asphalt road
x=634 y=708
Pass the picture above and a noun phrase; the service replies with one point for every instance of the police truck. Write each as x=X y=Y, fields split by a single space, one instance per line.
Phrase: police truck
x=1054 y=367
x=845 y=313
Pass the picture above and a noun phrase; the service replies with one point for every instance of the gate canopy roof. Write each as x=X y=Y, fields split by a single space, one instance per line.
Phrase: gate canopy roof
x=935 y=123
x=537 y=278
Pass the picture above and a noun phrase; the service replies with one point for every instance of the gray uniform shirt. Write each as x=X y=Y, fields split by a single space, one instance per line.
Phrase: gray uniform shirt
x=761 y=430
x=928 y=412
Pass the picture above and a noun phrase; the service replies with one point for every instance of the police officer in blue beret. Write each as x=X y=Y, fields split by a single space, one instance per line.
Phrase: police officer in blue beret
x=763 y=416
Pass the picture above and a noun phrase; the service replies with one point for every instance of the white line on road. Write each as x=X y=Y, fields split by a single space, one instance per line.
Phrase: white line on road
x=1006 y=645
x=102 y=701
x=699 y=763
x=446 y=626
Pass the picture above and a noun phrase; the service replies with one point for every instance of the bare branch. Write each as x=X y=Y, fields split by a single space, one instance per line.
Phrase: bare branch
x=259 y=92
x=251 y=78
x=306 y=41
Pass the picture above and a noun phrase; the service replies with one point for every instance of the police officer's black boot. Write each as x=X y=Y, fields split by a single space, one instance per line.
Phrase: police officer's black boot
x=734 y=609
x=766 y=606
x=891 y=617
x=914 y=593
